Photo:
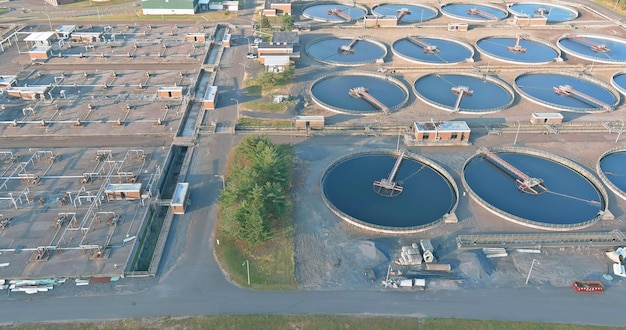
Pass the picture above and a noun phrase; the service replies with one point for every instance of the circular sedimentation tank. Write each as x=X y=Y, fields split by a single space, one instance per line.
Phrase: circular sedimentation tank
x=534 y=188
x=433 y=50
x=428 y=193
x=553 y=13
x=465 y=92
x=359 y=93
x=520 y=49
x=593 y=47
x=334 y=12
x=612 y=171
x=346 y=51
x=407 y=13
x=618 y=81
x=474 y=12
x=567 y=91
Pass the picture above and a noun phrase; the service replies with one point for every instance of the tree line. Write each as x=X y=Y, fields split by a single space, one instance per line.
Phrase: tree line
x=256 y=196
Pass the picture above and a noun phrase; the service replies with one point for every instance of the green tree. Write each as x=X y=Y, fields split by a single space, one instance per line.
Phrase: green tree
x=256 y=194
x=288 y=22
x=265 y=22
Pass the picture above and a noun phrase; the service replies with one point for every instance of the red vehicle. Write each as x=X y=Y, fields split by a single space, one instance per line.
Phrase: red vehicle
x=588 y=286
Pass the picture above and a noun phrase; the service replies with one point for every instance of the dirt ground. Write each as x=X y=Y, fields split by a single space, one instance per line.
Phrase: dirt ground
x=333 y=254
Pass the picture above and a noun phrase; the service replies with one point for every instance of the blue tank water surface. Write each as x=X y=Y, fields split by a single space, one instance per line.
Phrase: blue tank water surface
x=363 y=51
x=426 y=197
x=320 y=12
x=583 y=48
x=571 y=199
x=487 y=95
x=541 y=86
x=418 y=14
x=460 y=10
x=619 y=81
x=449 y=51
x=536 y=52
x=614 y=168
x=554 y=14
x=334 y=91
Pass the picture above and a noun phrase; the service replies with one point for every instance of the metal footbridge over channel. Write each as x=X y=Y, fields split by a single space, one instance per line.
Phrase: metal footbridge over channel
x=349 y=47
x=595 y=47
x=478 y=12
x=387 y=184
x=524 y=182
x=339 y=13
x=428 y=48
x=361 y=92
x=539 y=240
x=567 y=90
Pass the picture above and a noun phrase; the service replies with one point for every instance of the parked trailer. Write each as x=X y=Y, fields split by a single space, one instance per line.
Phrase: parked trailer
x=588 y=286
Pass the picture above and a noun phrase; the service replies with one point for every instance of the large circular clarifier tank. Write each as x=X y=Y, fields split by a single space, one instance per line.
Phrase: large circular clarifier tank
x=346 y=51
x=597 y=48
x=612 y=171
x=433 y=50
x=554 y=13
x=359 y=93
x=619 y=82
x=518 y=49
x=567 y=91
x=465 y=93
x=534 y=188
x=408 y=13
x=334 y=12
x=474 y=12
x=428 y=193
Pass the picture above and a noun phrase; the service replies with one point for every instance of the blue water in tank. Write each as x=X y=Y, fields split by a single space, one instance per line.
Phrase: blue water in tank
x=613 y=166
x=460 y=10
x=426 y=197
x=541 y=86
x=536 y=52
x=554 y=15
x=571 y=199
x=321 y=12
x=364 y=51
x=418 y=14
x=334 y=91
x=449 y=51
x=487 y=95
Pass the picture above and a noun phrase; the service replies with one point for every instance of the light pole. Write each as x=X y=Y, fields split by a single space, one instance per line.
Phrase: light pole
x=49 y=23
x=516 y=133
x=531 y=269
x=223 y=180
x=247 y=263
x=237 y=116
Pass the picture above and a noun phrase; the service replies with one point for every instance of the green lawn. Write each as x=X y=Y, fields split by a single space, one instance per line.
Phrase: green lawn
x=287 y=322
x=253 y=122
x=88 y=3
x=262 y=106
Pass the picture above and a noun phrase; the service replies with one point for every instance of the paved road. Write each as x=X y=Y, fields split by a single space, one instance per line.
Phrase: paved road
x=191 y=282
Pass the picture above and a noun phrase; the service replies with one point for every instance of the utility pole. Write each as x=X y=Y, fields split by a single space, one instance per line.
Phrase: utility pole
x=531 y=269
x=247 y=263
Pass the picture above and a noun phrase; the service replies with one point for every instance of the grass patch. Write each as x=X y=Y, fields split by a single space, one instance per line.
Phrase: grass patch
x=87 y=3
x=253 y=90
x=138 y=16
x=272 y=322
x=611 y=4
x=254 y=122
x=271 y=261
x=267 y=106
x=4 y=10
